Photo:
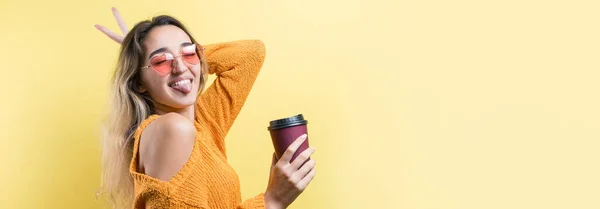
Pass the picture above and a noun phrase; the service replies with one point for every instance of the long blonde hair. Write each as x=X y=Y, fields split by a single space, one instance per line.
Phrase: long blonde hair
x=127 y=109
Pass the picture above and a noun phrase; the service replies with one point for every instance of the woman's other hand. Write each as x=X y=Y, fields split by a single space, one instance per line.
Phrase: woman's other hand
x=288 y=180
x=112 y=35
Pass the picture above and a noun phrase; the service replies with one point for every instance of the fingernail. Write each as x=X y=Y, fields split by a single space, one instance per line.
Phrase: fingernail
x=303 y=136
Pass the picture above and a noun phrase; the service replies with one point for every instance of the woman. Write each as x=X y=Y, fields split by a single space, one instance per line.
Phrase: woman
x=163 y=144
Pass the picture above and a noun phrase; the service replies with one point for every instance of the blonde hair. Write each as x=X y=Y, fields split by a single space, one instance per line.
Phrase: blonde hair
x=127 y=109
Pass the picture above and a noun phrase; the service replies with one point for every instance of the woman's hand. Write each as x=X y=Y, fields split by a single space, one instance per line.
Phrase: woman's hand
x=288 y=180
x=112 y=35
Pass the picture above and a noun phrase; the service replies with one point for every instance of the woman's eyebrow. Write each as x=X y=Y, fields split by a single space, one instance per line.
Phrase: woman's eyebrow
x=157 y=51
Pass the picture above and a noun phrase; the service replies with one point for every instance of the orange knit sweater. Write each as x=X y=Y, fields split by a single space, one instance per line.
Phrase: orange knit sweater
x=206 y=179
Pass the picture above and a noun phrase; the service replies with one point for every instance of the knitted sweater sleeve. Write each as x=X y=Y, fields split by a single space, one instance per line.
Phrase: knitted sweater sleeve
x=236 y=65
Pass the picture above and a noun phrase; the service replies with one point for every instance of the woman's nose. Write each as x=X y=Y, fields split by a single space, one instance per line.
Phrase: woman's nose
x=179 y=67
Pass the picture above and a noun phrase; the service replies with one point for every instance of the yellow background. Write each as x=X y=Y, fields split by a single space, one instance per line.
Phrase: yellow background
x=417 y=104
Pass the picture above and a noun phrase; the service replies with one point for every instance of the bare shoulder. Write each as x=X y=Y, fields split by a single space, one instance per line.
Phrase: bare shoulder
x=165 y=146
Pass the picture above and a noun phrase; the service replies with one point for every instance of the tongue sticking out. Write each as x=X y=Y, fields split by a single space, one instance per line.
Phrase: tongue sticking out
x=185 y=88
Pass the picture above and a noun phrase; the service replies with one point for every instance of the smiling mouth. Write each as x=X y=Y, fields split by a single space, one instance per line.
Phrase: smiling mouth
x=184 y=86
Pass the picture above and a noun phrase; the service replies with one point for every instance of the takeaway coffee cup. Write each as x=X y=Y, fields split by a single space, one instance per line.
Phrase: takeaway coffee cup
x=285 y=131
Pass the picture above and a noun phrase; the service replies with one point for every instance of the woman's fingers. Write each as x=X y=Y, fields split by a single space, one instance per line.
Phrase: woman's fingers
x=289 y=152
x=110 y=34
x=307 y=179
x=302 y=158
x=120 y=21
x=303 y=171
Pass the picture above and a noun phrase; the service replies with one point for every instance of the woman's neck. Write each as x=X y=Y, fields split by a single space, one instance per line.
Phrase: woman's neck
x=187 y=112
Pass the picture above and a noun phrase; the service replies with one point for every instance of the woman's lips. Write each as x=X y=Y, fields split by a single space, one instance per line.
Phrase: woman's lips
x=184 y=86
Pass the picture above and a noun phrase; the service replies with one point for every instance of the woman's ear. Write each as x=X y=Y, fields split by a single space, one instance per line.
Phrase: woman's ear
x=139 y=87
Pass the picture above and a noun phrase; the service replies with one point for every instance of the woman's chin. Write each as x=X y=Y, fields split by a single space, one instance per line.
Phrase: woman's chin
x=183 y=98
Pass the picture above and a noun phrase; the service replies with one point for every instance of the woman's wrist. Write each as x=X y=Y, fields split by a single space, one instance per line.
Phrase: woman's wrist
x=271 y=203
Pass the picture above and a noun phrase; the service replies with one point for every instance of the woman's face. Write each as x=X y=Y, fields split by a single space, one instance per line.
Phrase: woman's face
x=177 y=86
